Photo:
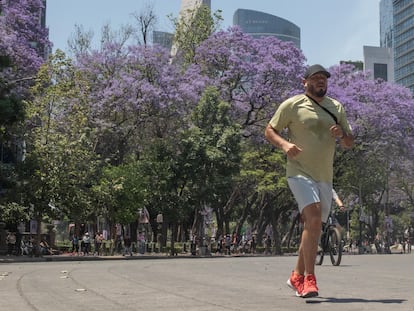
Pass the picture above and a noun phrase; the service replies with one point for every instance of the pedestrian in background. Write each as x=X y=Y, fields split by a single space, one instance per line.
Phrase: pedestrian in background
x=11 y=243
x=98 y=243
x=75 y=244
x=86 y=244
x=127 y=246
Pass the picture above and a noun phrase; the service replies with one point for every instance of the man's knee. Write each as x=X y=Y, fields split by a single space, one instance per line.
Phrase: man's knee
x=312 y=216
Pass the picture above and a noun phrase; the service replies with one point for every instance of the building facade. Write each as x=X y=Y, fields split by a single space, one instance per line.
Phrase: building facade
x=403 y=19
x=193 y=4
x=379 y=61
x=46 y=51
x=397 y=33
x=162 y=38
x=386 y=24
x=187 y=7
x=259 y=24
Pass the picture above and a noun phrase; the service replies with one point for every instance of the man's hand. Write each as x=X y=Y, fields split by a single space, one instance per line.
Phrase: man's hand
x=291 y=150
x=337 y=131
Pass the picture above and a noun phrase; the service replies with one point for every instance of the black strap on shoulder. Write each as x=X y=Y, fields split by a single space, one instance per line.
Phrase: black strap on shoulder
x=330 y=113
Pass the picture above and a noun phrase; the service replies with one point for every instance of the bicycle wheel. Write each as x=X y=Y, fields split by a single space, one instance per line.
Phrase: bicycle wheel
x=319 y=256
x=320 y=252
x=335 y=246
x=294 y=235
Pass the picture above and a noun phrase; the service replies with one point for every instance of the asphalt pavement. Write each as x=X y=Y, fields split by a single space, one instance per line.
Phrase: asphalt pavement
x=361 y=282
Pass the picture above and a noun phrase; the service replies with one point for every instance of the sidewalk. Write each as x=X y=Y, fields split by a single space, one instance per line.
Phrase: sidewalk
x=71 y=257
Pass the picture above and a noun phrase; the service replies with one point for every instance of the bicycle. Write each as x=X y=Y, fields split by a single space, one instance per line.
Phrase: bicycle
x=330 y=243
x=293 y=237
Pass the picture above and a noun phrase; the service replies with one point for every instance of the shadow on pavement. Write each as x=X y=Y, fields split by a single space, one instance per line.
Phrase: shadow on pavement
x=354 y=300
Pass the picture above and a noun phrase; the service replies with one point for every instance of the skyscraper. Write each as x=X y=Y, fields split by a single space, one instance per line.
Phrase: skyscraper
x=42 y=20
x=192 y=4
x=386 y=24
x=259 y=24
x=186 y=7
x=165 y=39
x=403 y=17
x=397 y=33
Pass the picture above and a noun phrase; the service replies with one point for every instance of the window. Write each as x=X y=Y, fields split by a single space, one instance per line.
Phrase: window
x=380 y=71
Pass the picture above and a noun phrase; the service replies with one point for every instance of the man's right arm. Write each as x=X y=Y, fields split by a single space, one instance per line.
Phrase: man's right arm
x=278 y=141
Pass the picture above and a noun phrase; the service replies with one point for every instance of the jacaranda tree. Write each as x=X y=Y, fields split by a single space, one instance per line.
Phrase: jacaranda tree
x=23 y=47
x=381 y=115
x=253 y=76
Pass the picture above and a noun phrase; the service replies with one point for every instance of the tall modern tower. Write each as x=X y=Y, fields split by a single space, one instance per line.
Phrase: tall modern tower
x=45 y=51
x=397 y=33
x=162 y=38
x=193 y=4
x=386 y=24
x=186 y=7
x=259 y=24
x=403 y=19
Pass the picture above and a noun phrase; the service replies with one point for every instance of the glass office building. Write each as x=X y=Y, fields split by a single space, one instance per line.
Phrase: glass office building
x=379 y=61
x=397 y=33
x=259 y=24
x=165 y=39
x=386 y=24
x=403 y=19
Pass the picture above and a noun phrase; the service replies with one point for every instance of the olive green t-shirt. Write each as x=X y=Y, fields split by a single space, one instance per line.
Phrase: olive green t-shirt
x=308 y=127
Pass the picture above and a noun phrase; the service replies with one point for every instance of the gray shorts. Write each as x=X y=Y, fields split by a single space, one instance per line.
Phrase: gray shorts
x=307 y=191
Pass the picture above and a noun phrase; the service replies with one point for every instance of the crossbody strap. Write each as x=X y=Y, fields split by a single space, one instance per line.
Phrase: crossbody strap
x=330 y=113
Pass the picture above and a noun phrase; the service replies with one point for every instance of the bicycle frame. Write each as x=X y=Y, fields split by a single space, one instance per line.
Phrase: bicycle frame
x=330 y=243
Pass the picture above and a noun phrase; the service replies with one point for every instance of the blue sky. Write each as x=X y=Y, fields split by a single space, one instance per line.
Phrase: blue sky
x=331 y=30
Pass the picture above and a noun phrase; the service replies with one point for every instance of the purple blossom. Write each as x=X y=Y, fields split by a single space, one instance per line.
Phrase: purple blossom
x=22 y=39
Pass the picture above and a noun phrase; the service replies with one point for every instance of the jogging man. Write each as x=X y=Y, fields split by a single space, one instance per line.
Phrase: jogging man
x=314 y=123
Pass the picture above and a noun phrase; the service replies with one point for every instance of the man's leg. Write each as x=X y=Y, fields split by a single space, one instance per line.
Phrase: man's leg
x=312 y=228
x=305 y=263
x=310 y=236
x=306 y=192
x=300 y=263
x=297 y=277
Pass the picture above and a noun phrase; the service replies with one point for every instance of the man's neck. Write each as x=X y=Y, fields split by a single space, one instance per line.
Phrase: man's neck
x=315 y=98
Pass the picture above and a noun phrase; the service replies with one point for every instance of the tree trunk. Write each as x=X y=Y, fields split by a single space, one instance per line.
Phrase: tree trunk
x=173 y=238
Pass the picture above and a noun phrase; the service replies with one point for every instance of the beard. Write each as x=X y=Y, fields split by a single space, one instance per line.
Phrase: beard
x=316 y=93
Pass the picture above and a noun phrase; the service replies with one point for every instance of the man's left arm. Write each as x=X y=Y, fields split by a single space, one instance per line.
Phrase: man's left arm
x=347 y=140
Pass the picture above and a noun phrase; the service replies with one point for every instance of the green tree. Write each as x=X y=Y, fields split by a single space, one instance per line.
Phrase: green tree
x=161 y=168
x=11 y=114
x=60 y=166
x=191 y=30
x=146 y=21
x=211 y=156
x=264 y=195
x=120 y=193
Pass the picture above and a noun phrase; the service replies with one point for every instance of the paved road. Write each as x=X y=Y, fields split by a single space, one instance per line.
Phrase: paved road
x=362 y=282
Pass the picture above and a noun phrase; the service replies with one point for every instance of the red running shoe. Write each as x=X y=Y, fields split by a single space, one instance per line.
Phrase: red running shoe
x=296 y=282
x=310 y=289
